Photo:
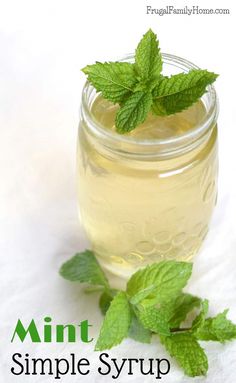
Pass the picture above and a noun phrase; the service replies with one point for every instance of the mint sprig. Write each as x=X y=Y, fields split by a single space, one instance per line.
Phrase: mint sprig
x=153 y=303
x=140 y=87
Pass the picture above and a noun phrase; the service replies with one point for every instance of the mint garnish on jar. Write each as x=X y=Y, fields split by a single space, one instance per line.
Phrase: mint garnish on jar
x=140 y=88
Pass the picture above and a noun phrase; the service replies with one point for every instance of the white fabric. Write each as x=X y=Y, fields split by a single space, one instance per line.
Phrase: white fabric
x=38 y=222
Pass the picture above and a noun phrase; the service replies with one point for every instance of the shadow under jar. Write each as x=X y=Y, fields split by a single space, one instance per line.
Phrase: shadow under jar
x=147 y=195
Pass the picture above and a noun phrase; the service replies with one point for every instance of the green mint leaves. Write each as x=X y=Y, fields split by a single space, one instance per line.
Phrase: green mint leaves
x=219 y=329
x=153 y=319
x=153 y=303
x=84 y=267
x=148 y=60
x=115 y=80
x=137 y=331
x=178 y=92
x=140 y=87
x=134 y=111
x=187 y=352
x=158 y=282
x=177 y=309
x=116 y=324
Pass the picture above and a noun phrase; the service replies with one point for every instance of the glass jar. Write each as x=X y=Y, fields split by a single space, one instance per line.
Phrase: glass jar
x=142 y=201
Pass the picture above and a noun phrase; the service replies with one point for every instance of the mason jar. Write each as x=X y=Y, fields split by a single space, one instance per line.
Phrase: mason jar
x=146 y=200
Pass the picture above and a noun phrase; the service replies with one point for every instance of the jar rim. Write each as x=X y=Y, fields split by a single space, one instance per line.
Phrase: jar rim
x=194 y=133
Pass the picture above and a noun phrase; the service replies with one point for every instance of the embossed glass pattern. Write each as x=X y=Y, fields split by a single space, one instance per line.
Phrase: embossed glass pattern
x=143 y=198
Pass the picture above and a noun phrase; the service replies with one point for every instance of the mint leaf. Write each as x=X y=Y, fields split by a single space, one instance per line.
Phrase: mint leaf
x=180 y=91
x=84 y=267
x=218 y=329
x=137 y=331
x=153 y=320
x=148 y=60
x=116 y=323
x=200 y=319
x=177 y=309
x=115 y=80
x=158 y=282
x=187 y=352
x=133 y=112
